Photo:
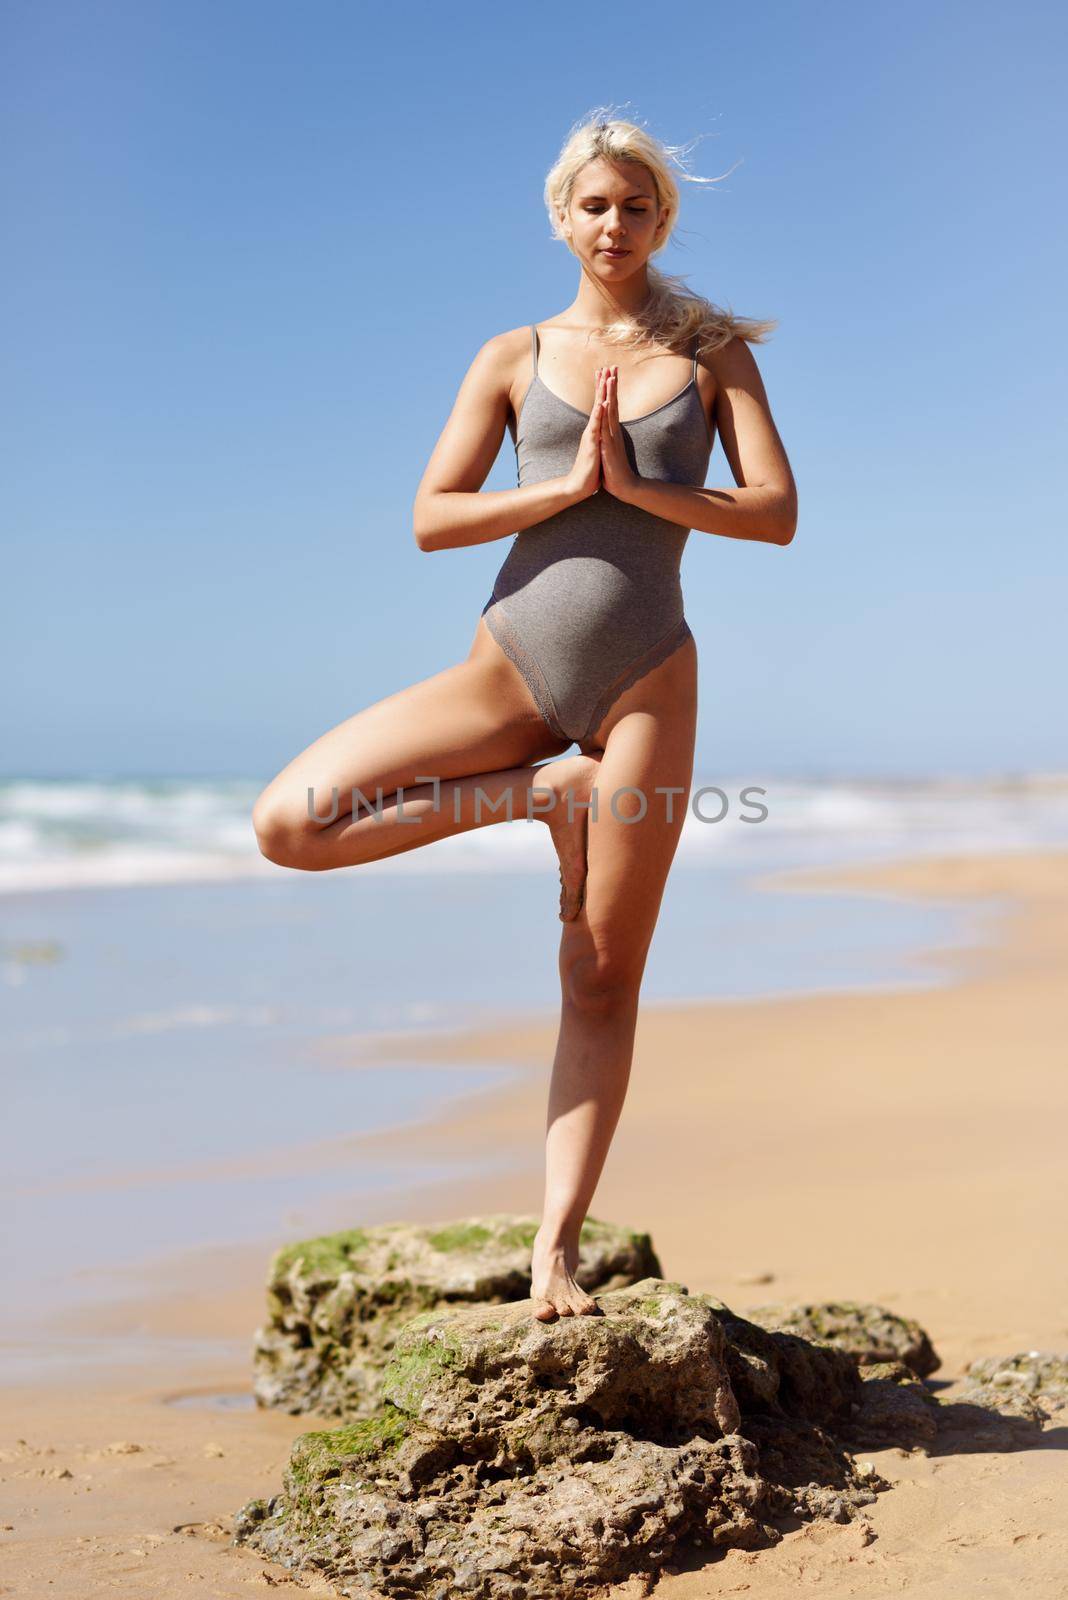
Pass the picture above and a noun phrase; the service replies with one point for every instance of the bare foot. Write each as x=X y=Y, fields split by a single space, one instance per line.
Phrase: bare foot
x=568 y=823
x=553 y=1288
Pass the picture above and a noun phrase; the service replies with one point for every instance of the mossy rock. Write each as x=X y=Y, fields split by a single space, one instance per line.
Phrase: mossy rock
x=1005 y=1402
x=1024 y=1382
x=513 y=1456
x=508 y=1456
x=335 y=1304
x=866 y=1332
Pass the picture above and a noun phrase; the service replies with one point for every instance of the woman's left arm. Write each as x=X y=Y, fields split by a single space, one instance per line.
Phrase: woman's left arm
x=764 y=505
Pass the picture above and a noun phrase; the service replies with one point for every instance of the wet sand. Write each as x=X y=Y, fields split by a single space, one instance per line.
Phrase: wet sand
x=900 y=1146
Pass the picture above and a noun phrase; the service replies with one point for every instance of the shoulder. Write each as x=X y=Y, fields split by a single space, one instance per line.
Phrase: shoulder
x=730 y=363
x=734 y=367
x=502 y=350
x=499 y=362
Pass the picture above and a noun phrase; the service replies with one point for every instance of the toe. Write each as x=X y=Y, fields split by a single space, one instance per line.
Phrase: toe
x=544 y=1310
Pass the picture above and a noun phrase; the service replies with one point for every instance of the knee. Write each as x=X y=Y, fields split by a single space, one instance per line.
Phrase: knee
x=280 y=833
x=602 y=983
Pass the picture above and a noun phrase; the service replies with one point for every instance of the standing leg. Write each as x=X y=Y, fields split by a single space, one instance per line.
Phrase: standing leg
x=602 y=962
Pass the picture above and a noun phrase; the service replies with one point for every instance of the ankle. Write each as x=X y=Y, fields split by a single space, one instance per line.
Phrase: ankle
x=556 y=1239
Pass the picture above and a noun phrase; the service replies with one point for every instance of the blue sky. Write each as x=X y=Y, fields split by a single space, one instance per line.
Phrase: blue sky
x=229 y=353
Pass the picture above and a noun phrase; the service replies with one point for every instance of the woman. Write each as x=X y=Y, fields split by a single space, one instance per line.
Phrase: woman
x=583 y=639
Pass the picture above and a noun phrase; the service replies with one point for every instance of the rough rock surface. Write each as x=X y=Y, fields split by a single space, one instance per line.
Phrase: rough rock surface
x=517 y=1458
x=336 y=1303
x=512 y=1459
x=869 y=1333
x=1030 y=1381
x=1004 y=1407
x=1004 y=1402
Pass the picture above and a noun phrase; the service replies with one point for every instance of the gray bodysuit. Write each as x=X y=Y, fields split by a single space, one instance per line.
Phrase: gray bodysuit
x=590 y=599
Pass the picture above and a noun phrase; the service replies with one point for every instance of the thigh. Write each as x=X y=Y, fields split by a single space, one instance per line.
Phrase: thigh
x=631 y=844
x=468 y=718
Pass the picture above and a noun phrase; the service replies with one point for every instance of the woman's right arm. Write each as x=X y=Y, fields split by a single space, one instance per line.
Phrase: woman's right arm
x=450 y=510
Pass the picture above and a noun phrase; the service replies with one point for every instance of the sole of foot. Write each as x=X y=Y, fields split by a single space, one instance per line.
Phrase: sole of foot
x=571 y=780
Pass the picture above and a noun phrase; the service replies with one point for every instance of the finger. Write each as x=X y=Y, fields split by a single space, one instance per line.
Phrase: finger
x=601 y=403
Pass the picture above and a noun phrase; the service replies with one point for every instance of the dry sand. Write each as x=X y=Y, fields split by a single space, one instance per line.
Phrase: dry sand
x=906 y=1147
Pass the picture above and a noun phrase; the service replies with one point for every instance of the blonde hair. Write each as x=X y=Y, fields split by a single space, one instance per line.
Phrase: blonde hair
x=673 y=313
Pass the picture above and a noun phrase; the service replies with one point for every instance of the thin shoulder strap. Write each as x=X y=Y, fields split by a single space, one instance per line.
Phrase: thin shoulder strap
x=534 y=346
x=693 y=378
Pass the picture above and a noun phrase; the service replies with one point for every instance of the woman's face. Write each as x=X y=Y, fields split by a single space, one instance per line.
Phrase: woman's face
x=613 y=208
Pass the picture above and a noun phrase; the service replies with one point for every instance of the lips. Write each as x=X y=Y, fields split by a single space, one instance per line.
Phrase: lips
x=616 y=253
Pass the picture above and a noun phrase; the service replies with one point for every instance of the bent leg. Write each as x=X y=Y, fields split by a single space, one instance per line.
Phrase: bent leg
x=465 y=724
x=602 y=962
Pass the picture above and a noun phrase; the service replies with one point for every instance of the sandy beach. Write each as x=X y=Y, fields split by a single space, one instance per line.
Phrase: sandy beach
x=901 y=1146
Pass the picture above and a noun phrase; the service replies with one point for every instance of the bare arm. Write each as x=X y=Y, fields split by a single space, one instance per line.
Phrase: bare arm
x=764 y=506
x=451 y=509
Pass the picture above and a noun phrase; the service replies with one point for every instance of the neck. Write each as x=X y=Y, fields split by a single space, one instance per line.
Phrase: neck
x=597 y=303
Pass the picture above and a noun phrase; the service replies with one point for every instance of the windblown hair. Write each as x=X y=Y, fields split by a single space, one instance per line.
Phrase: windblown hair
x=672 y=313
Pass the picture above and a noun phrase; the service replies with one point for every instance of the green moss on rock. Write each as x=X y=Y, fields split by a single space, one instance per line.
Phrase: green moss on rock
x=460 y=1236
x=519 y=1237
x=333 y=1253
x=323 y=1453
x=425 y=1349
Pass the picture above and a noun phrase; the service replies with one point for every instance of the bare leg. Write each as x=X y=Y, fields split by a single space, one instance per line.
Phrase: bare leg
x=602 y=962
x=411 y=817
x=353 y=796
